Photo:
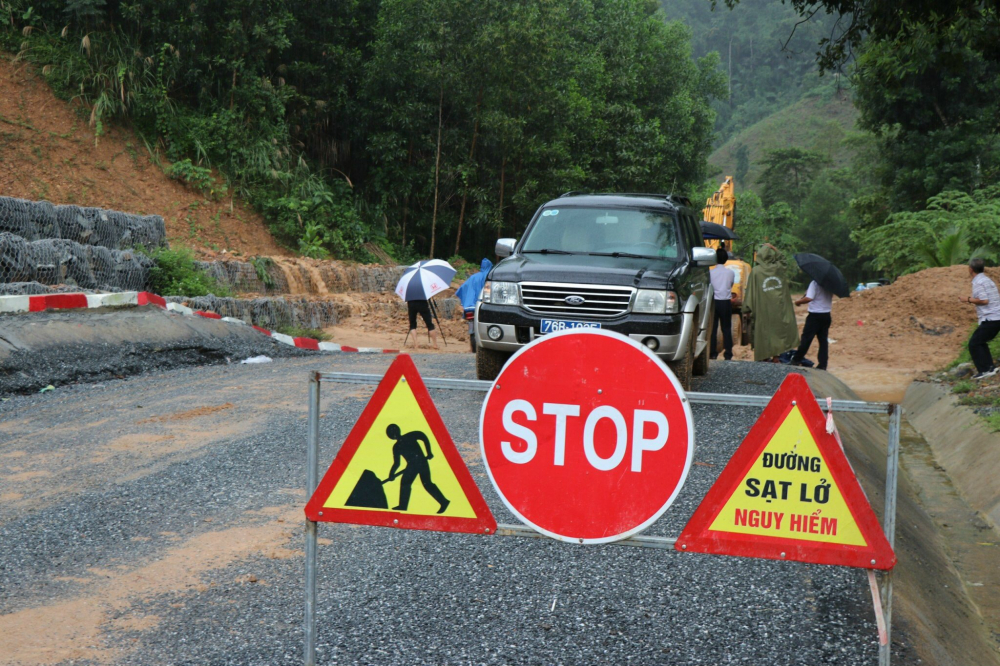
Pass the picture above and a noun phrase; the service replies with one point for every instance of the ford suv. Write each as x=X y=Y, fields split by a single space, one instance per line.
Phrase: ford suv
x=635 y=264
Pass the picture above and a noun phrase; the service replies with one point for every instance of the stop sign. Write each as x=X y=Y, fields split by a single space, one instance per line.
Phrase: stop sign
x=587 y=436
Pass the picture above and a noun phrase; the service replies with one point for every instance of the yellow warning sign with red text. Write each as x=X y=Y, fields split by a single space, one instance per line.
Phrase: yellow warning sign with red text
x=398 y=466
x=789 y=493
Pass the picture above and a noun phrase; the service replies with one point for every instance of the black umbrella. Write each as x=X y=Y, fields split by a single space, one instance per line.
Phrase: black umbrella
x=712 y=230
x=826 y=274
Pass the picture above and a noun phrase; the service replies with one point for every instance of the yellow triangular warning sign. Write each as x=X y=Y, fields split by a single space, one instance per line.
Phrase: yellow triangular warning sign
x=789 y=493
x=399 y=467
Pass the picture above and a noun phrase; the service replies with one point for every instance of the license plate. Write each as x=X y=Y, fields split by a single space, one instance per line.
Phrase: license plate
x=554 y=325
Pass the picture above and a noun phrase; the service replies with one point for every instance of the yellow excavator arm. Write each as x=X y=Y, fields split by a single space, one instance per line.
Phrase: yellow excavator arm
x=721 y=206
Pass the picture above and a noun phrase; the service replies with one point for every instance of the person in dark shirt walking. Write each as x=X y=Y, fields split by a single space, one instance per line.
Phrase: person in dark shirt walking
x=407 y=447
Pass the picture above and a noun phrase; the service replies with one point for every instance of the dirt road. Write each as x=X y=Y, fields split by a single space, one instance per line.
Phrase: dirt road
x=158 y=520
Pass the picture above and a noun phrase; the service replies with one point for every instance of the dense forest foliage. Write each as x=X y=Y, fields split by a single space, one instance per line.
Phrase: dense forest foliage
x=925 y=78
x=432 y=127
x=427 y=126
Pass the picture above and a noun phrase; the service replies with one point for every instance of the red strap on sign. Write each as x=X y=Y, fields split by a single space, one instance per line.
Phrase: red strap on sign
x=751 y=528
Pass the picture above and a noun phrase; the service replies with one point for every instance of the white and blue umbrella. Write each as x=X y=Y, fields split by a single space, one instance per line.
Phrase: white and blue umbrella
x=424 y=279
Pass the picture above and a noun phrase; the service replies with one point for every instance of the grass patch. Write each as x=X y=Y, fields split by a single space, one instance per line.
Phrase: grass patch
x=971 y=400
x=175 y=274
x=297 y=332
x=963 y=387
x=992 y=422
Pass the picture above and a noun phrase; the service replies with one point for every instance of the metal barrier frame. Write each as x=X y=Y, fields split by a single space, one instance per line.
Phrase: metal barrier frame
x=894 y=412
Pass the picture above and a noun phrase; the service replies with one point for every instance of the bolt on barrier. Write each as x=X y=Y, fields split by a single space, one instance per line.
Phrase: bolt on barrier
x=894 y=412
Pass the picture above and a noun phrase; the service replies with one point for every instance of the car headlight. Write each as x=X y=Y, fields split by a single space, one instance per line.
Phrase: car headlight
x=654 y=301
x=501 y=293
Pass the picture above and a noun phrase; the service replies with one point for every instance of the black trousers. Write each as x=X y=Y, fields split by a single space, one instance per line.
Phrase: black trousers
x=817 y=326
x=422 y=308
x=979 y=348
x=724 y=318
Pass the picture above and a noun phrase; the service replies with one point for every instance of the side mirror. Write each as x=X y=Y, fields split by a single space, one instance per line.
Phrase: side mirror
x=505 y=247
x=702 y=256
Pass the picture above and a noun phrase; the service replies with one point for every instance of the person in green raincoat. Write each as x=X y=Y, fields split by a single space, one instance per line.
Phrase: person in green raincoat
x=768 y=300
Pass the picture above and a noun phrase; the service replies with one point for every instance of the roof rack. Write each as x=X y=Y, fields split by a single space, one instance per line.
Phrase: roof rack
x=674 y=198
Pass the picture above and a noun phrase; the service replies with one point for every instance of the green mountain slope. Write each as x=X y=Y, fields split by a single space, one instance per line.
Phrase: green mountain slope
x=818 y=123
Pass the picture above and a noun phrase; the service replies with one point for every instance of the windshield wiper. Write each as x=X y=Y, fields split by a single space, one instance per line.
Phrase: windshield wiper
x=627 y=255
x=547 y=251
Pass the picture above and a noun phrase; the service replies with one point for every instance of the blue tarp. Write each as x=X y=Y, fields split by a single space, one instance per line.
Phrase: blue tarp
x=468 y=293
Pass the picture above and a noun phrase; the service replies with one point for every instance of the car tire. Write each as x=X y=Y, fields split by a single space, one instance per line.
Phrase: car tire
x=489 y=362
x=682 y=367
x=700 y=367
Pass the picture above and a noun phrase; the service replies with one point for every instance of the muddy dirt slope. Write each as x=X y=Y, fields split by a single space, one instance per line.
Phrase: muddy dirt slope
x=48 y=151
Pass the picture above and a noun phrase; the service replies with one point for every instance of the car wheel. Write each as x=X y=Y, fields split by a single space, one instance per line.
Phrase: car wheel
x=700 y=366
x=489 y=362
x=682 y=367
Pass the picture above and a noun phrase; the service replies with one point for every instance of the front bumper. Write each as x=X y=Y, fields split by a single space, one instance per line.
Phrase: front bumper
x=519 y=327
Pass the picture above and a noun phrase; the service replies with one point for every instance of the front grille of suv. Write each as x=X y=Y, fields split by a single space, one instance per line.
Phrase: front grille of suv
x=598 y=301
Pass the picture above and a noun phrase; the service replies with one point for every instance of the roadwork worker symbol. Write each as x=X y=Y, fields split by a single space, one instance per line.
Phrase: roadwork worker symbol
x=399 y=467
x=415 y=449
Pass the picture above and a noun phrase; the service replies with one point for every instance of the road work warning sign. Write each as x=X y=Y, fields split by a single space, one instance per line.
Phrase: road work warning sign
x=789 y=493
x=398 y=466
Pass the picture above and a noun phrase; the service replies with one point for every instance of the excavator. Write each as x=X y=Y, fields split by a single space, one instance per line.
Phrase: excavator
x=720 y=208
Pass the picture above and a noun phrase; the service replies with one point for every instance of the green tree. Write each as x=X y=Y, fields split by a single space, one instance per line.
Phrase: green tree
x=891 y=246
x=948 y=249
x=788 y=175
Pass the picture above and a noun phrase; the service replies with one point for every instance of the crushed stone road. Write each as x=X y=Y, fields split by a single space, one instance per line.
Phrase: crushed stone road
x=158 y=520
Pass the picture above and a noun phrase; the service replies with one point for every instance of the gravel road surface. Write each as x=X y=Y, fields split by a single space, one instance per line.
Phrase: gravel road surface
x=158 y=520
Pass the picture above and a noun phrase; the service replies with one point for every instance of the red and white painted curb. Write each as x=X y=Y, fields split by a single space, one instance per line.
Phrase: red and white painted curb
x=20 y=304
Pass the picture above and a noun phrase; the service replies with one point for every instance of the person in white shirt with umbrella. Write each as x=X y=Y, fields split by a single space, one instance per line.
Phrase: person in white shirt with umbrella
x=420 y=282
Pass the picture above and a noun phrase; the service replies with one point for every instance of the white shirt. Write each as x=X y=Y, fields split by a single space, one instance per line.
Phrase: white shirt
x=722 y=282
x=822 y=300
x=984 y=289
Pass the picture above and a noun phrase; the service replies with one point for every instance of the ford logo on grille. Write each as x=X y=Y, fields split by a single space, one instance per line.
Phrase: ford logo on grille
x=575 y=300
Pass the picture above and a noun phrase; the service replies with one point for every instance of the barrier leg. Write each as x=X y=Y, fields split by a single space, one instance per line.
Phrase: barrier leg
x=889 y=524
x=312 y=457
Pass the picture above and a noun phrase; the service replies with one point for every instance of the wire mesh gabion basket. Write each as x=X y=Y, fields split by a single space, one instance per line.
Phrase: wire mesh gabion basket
x=89 y=248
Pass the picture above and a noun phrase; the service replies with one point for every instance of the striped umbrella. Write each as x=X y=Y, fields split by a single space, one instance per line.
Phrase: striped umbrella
x=424 y=279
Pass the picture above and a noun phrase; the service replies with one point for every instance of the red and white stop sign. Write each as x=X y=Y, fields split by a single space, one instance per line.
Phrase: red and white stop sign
x=586 y=436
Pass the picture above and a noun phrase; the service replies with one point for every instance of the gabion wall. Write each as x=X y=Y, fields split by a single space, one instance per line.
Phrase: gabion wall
x=271 y=313
x=295 y=278
x=87 y=248
x=59 y=261
x=34 y=220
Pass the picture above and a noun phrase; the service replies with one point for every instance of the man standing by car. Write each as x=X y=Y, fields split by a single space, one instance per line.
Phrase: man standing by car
x=987 y=302
x=722 y=285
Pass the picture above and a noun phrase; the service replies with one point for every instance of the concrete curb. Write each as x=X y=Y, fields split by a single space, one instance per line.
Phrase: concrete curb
x=23 y=304
x=968 y=452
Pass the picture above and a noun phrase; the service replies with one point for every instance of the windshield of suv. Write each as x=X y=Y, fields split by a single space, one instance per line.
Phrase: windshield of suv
x=621 y=232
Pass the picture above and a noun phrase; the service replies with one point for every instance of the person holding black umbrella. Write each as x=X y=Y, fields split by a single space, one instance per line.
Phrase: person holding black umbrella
x=817 y=324
x=827 y=281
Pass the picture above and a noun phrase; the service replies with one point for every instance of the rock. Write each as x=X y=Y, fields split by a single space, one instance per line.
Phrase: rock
x=961 y=370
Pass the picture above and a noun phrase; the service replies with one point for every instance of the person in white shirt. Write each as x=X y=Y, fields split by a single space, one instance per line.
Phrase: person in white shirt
x=722 y=287
x=987 y=302
x=817 y=324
